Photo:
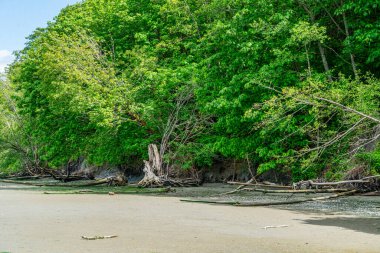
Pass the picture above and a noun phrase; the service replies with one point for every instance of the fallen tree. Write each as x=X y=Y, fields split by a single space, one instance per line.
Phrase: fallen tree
x=296 y=191
x=363 y=184
x=109 y=181
x=46 y=173
x=25 y=177
x=136 y=191
x=369 y=186
x=287 y=202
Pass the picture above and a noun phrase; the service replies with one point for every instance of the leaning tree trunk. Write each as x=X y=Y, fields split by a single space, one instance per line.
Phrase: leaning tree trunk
x=153 y=169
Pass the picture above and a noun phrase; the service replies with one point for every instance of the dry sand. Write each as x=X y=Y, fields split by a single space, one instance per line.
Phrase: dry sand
x=34 y=222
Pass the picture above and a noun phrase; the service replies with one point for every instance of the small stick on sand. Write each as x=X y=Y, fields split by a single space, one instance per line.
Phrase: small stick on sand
x=98 y=237
x=279 y=226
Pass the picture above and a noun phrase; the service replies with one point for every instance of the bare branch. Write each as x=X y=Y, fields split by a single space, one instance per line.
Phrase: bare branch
x=346 y=108
x=336 y=138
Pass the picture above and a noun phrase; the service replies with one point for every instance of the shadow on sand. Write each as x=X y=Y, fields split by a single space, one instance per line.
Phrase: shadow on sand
x=359 y=224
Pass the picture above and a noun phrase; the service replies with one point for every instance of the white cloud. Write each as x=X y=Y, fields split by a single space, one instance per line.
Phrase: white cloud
x=5 y=53
x=6 y=58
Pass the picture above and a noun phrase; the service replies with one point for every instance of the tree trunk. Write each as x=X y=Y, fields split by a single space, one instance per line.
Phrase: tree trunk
x=155 y=174
x=155 y=159
x=352 y=57
x=324 y=61
x=153 y=168
x=320 y=47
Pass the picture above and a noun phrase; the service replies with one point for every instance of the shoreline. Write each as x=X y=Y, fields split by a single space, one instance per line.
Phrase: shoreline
x=34 y=222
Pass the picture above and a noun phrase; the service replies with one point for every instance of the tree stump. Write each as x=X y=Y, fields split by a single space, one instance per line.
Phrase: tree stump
x=154 y=175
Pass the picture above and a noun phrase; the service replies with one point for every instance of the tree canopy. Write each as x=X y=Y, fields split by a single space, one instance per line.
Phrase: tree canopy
x=288 y=85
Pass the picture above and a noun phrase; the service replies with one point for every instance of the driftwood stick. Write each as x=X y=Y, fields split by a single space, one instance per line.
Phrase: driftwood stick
x=371 y=177
x=249 y=183
x=69 y=192
x=240 y=187
x=231 y=203
x=260 y=185
x=339 y=182
x=98 y=237
x=279 y=226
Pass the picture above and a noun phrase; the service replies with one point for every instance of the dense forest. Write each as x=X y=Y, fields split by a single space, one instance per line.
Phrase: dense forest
x=290 y=86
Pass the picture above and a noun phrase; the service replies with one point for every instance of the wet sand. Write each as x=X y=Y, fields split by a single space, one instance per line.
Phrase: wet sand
x=33 y=222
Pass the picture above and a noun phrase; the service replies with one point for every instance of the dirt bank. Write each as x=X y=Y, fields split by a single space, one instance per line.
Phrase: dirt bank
x=34 y=222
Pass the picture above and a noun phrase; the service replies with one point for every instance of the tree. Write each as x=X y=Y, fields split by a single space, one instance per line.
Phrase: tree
x=18 y=150
x=191 y=78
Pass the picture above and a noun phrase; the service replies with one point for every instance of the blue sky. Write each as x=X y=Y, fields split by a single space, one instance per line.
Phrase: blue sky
x=19 y=18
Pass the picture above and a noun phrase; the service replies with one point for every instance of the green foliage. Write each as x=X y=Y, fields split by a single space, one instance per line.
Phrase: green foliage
x=372 y=159
x=105 y=78
x=364 y=25
x=13 y=151
x=305 y=33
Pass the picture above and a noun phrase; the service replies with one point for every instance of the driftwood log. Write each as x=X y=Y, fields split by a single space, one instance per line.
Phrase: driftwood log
x=297 y=191
x=26 y=177
x=366 y=184
x=363 y=184
x=287 y=202
x=140 y=191
x=369 y=185
x=92 y=183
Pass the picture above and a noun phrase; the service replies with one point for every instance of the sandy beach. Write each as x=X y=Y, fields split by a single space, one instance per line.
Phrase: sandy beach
x=34 y=222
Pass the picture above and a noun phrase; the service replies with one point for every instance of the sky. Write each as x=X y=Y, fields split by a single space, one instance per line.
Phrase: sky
x=19 y=18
